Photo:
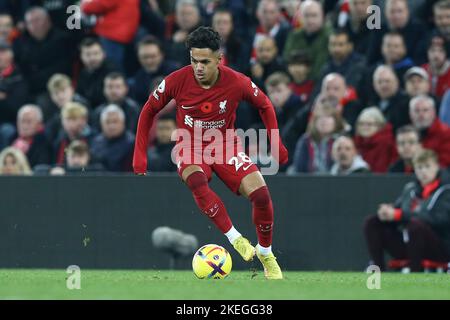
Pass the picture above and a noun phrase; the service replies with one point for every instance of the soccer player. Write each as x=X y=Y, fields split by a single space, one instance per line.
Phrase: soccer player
x=207 y=94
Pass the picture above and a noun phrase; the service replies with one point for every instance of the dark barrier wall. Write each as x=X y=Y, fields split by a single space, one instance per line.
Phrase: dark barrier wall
x=106 y=222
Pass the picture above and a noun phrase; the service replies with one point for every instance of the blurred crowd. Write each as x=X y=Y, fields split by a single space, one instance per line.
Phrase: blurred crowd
x=355 y=89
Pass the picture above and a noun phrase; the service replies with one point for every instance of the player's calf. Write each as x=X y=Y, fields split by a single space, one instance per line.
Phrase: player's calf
x=208 y=201
x=262 y=215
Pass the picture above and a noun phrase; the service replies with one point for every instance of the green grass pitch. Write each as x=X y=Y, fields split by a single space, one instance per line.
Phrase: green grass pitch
x=168 y=285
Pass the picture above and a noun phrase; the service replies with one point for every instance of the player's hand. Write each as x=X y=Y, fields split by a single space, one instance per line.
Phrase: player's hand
x=386 y=212
x=141 y=173
x=180 y=36
x=282 y=156
x=257 y=70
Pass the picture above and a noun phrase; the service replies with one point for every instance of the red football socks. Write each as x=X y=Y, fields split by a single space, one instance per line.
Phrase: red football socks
x=208 y=201
x=262 y=215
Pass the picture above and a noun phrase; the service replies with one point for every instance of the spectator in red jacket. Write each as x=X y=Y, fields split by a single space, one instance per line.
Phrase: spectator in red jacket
x=117 y=24
x=435 y=135
x=299 y=66
x=374 y=140
x=438 y=66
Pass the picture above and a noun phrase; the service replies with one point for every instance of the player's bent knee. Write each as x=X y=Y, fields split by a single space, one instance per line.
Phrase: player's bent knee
x=260 y=198
x=251 y=183
x=197 y=180
x=188 y=171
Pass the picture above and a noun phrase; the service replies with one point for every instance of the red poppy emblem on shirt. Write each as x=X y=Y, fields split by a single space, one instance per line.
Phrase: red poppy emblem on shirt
x=206 y=107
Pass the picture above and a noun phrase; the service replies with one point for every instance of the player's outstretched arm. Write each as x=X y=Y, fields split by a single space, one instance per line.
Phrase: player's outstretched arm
x=157 y=100
x=141 y=143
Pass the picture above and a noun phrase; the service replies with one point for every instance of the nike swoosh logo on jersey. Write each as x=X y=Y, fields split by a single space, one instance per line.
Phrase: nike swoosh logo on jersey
x=186 y=108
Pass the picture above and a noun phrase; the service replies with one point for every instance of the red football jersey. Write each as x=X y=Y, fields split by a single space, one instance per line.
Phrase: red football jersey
x=201 y=109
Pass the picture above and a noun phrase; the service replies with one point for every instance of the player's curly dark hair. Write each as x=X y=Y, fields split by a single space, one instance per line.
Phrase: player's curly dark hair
x=203 y=37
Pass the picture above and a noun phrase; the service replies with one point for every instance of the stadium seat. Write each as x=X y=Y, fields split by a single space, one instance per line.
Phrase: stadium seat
x=399 y=265
x=437 y=266
x=428 y=265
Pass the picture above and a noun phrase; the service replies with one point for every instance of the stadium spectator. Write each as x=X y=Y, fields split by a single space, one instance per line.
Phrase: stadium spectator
x=394 y=52
x=313 y=149
x=334 y=86
x=152 y=19
x=356 y=25
x=394 y=56
x=187 y=18
x=271 y=24
x=14 y=162
x=408 y=144
x=42 y=51
x=399 y=20
x=78 y=161
x=13 y=86
x=298 y=67
x=438 y=66
x=312 y=38
x=30 y=137
x=116 y=26
x=235 y=51
x=441 y=14
x=417 y=82
x=153 y=64
x=298 y=124
x=290 y=9
x=444 y=110
x=96 y=67
x=417 y=226
x=116 y=92
x=57 y=11
x=159 y=155
x=389 y=98
x=113 y=147
x=74 y=118
x=61 y=92
x=374 y=140
x=286 y=102
x=346 y=158
x=434 y=134
x=343 y=59
x=267 y=61
x=8 y=32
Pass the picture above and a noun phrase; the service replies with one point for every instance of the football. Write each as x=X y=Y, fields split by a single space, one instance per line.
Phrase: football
x=212 y=262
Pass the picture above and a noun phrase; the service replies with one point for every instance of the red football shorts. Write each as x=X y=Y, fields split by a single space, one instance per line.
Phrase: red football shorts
x=231 y=167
